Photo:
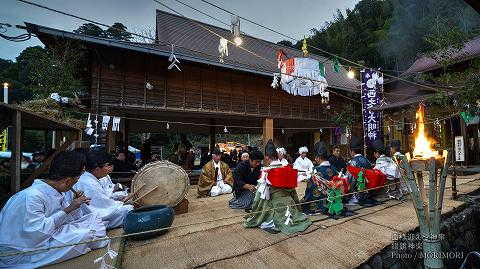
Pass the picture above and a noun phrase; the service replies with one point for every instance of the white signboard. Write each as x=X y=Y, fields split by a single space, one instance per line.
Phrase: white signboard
x=459 y=149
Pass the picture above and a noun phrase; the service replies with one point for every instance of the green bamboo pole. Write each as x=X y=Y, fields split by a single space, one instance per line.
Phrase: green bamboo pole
x=431 y=244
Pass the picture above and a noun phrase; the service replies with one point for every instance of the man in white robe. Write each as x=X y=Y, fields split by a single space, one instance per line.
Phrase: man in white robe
x=303 y=165
x=282 y=154
x=114 y=191
x=98 y=166
x=45 y=215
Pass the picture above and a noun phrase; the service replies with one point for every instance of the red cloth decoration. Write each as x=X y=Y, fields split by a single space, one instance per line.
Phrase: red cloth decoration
x=290 y=66
x=281 y=56
x=375 y=178
x=338 y=182
x=283 y=177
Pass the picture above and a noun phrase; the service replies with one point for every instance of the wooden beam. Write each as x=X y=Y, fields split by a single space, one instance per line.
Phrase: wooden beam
x=267 y=129
x=46 y=164
x=16 y=159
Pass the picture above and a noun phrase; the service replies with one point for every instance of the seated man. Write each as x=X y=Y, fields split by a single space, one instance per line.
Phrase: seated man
x=111 y=211
x=286 y=218
x=216 y=177
x=312 y=192
x=387 y=166
x=43 y=216
x=303 y=165
x=245 y=178
x=115 y=191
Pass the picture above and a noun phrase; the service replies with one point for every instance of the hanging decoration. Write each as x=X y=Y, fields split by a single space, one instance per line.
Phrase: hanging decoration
x=237 y=39
x=173 y=61
x=96 y=129
x=222 y=49
x=149 y=86
x=116 y=124
x=3 y=140
x=372 y=94
x=168 y=126
x=302 y=76
x=105 y=122
x=305 y=47
x=103 y=259
x=225 y=130
x=281 y=56
x=336 y=65
x=276 y=80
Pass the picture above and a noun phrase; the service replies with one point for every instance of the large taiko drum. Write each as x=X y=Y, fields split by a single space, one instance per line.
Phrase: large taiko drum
x=160 y=182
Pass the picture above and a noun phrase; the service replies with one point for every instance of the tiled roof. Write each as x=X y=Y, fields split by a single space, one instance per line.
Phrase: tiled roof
x=470 y=50
x=191 y=38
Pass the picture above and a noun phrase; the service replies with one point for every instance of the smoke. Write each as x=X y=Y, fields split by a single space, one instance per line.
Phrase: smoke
x=414 y=20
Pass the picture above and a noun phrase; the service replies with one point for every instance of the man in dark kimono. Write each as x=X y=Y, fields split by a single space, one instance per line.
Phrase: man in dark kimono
x=336 y=159
x=358 y=160
x=245 y=177
x=312 y=192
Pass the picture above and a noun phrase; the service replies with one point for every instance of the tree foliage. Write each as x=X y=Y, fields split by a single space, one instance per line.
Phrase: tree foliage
x=116 y=31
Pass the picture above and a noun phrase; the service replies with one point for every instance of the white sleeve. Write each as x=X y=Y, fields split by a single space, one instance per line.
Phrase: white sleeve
x=36 y=224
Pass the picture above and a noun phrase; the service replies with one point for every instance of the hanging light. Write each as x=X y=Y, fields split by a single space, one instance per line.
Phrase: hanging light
x=168 y=126
x=351 y=74
x=237 y=39
x=225 y=130
x=283 y=131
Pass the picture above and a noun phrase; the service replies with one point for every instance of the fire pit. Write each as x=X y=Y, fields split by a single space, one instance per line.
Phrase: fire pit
x=429 y=164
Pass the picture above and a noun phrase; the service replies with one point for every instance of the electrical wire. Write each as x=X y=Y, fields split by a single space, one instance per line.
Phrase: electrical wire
x=154 y=49
x=314 y=47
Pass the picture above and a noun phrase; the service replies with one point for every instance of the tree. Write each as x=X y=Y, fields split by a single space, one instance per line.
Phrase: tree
x=118 y=31
x=90 y=29
x=285 y=43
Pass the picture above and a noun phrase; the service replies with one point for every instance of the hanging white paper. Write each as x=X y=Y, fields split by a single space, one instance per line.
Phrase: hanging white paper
x=105 y=122
x=116 y=124
x=222 y=49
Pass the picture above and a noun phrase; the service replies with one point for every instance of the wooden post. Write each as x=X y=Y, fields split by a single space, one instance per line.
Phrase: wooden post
x=267 y=129
x=212 y=135
x=454 y=174
x=16 y=159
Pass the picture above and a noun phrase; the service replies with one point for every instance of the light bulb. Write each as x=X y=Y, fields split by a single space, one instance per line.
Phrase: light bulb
x=351 y=74
x=238 y=41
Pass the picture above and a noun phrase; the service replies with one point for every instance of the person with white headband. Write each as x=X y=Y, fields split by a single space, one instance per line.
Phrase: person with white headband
x=282 y=154
x=303 y=165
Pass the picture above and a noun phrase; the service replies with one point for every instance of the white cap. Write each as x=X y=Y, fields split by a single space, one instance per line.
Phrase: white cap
x=281 y=151
x=303 y=150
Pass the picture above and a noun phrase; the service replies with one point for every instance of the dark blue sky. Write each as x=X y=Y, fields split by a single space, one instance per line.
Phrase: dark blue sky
x=291 y=17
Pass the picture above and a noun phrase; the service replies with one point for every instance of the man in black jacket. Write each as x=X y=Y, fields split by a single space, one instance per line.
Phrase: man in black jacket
x=245 y=178
x=336 y=160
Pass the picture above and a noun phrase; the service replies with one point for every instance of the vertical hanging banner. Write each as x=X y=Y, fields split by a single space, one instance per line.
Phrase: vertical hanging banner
x=372 y=94
x=4 y=140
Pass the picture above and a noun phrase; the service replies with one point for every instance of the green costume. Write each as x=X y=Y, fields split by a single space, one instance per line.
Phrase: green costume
x=284 y=201
x=334 y=198
x=361 y=181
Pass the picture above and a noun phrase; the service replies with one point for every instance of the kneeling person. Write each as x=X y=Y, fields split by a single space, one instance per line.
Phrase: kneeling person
x=216 y=177
x=111 y=211
x=44 y=215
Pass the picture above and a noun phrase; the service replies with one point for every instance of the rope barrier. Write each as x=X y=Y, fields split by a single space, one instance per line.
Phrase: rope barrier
x=8 y=254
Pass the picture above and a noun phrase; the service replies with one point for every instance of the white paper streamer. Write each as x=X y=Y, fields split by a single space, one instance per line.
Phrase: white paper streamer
x=288 y=214
x=116 y=124
x=105 y=122
x=103 y=259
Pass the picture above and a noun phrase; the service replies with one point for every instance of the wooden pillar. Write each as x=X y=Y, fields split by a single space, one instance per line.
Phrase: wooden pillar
x=212 y=136
x=16 y=159
x=463 y=128
x=111 y=139
x=267 y=129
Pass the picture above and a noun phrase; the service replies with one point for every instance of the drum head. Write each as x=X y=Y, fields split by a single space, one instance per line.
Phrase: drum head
x=163 y=183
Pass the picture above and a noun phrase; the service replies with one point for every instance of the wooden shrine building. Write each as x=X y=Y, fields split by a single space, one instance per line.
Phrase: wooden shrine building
x=132 y=80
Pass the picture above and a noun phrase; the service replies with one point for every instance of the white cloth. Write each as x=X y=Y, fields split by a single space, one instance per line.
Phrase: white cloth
x=34 y=218
x=387 y=166
x=220 y=188
x=263 y=186
x=116 y=124
x=302 y=76
x=215 y=166
x=111 y=211
x=284 y=162
x=304 y=165
x=109 y=187
x=105 y=122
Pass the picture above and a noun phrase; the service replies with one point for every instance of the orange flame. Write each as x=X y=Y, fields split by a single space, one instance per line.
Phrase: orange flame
x=423 y=144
